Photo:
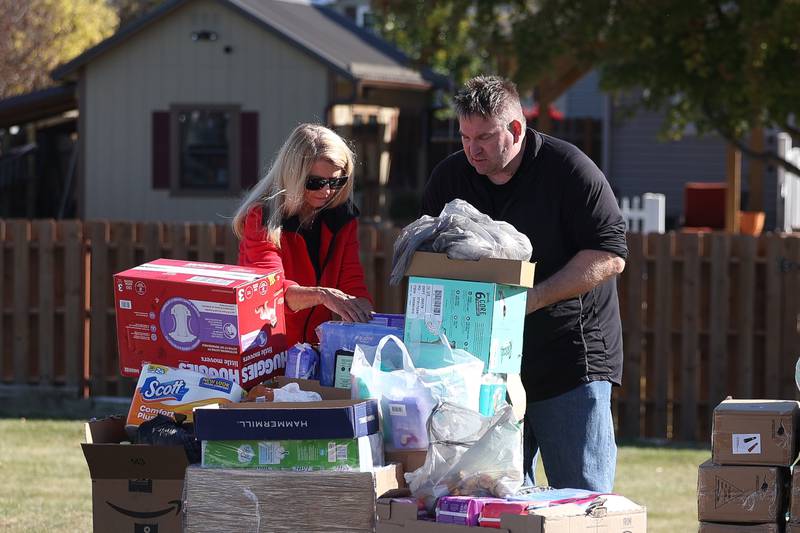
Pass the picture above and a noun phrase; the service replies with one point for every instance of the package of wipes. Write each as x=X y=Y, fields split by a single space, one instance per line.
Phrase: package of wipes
x=169 y=391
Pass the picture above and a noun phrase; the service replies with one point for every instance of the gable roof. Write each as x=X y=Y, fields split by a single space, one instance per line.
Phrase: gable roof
x=324 y=34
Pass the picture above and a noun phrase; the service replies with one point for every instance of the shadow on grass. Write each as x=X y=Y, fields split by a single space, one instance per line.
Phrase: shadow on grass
x=664 y=443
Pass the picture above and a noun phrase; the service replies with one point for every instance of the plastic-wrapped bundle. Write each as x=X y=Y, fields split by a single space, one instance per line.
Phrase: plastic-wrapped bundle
x=469 y=455
x=462 y=232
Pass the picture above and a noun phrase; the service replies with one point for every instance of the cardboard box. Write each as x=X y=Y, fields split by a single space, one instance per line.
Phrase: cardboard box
x=263 y=501
x=503 y=271
x=794 y=502
x=343 y=455
x=327 y=419
x=485 y=319
x=222 y=320
x=401 y=517
x=410 y=459
x=755 y=432
x=135 y=487
x=746 y=494
x=711 y=527
x=327 y=393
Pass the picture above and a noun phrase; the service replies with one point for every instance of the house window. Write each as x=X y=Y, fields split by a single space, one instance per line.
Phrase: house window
x=206 y=150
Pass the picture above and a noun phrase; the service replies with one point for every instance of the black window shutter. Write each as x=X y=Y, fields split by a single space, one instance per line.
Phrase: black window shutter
x=248 y=124
x=161 y=154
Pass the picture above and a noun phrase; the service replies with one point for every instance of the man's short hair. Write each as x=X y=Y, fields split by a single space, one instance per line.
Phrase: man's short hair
x=489 y=97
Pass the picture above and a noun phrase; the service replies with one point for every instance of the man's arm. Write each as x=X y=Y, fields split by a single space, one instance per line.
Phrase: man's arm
x=585 y=271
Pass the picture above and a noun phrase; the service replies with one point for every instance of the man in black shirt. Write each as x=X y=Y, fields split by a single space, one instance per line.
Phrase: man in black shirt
x=572 y=350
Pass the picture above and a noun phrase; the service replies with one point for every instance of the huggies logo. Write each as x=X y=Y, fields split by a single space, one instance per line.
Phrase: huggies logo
x=153 y=390
x=480 y=303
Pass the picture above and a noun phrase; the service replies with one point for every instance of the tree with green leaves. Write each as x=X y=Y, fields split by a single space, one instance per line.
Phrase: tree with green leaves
x=724 y=66
x=38 y=35
x=458 y=38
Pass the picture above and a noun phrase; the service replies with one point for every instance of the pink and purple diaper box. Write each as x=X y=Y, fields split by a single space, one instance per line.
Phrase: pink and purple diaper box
x=221 y=320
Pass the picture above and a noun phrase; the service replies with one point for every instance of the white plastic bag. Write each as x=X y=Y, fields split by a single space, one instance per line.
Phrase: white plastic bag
x=469 y=455
x=408 y=392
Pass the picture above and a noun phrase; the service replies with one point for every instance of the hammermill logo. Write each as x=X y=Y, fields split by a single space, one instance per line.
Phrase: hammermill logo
x=250 y=424
x=480 y=303
x=726 y=492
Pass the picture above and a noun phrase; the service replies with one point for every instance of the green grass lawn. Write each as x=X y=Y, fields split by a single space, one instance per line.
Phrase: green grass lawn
x=46 y=486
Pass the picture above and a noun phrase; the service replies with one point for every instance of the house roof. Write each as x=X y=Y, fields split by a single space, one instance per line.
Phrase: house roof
x=37 y=105
x=324 y=34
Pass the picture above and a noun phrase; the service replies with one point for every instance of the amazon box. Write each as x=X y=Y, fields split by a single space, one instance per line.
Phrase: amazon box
x=712 y=527
x=220 y=320
x=755 y=432
x=746 y=494
x=135 y=487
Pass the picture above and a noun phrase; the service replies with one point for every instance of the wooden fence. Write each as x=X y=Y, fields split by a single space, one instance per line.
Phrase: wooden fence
x=704 y=315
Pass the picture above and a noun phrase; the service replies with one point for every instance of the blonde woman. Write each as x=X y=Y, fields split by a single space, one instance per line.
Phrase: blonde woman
x=300 y=218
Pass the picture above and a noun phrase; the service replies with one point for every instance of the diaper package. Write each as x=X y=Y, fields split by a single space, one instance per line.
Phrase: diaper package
x=170 y=391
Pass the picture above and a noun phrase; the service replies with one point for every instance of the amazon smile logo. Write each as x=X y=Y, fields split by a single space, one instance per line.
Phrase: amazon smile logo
x=174 y=504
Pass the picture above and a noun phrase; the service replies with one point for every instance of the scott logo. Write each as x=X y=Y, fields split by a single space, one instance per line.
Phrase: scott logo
x=153 y=390
x=480 y=303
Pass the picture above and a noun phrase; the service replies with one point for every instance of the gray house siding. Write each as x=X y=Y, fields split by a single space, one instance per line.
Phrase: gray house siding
x=640 y=162
x=162 y=66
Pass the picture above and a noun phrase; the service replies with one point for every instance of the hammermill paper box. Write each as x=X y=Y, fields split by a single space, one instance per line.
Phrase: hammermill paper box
x=746 y=494
x=755 y=432
x=221 y=320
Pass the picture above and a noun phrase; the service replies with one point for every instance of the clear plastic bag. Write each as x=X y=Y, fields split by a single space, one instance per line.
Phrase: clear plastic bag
x=408 y=391
x=469 y=455
x=462 y=232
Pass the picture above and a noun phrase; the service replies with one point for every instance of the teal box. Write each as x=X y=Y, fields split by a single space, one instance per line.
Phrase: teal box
x=484 y=319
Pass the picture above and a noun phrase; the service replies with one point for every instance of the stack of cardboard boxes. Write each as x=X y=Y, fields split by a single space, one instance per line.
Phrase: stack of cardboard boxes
x=745 y=485
x=307 y=466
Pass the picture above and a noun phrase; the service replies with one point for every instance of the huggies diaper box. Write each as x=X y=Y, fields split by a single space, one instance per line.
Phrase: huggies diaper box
x=222 y=320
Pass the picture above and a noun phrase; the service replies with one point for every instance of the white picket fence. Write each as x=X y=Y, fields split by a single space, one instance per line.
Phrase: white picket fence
x=789 y=186
x=644 y=214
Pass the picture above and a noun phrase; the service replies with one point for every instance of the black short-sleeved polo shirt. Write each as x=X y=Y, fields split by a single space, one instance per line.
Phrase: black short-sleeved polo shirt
x=563 y=203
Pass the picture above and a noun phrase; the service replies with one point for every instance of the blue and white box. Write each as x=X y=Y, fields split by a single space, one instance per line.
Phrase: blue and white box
x=326 y=419
x=484 y=319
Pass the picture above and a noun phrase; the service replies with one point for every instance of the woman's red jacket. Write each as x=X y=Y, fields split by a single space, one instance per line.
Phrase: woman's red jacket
x=338 y=254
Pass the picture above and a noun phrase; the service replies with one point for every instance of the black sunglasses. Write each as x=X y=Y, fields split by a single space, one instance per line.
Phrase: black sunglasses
x=315 y=183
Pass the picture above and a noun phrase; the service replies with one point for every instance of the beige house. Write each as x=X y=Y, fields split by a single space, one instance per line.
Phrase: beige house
x=182 y=110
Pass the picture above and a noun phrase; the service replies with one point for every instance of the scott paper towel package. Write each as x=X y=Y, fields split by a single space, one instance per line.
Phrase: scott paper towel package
x=162 y=390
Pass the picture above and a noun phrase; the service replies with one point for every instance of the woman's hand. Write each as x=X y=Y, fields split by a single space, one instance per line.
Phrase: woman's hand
x=350 y=308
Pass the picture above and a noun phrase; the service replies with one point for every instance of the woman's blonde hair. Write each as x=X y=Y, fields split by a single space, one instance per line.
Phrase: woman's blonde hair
x=282 y=190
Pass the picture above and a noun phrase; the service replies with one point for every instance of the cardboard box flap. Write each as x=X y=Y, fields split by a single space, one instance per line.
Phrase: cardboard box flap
x=106 y=430
x=778 y=407
x=504 y=271
x=312 y=385
x=135 y=461
x=324 y=404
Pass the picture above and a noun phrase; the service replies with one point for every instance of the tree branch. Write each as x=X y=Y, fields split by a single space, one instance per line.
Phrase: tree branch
x=766 y=155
